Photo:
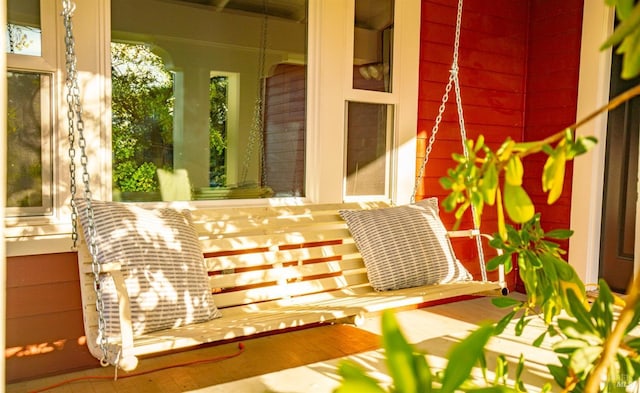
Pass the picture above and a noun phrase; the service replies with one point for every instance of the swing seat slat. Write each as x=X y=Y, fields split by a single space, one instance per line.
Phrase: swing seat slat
x=272 y=268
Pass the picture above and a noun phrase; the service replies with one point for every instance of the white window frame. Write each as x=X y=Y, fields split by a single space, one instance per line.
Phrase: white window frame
x=329 y=86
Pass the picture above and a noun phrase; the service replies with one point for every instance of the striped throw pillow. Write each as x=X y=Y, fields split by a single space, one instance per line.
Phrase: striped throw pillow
x=162 y=264
x=405 y=246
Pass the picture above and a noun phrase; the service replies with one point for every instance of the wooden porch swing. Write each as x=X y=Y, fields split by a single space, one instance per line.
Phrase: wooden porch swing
x=160 y=280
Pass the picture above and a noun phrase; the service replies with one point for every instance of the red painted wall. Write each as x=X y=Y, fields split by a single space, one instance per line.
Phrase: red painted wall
x=518 y=65
x=44 y=317
x=555 y=30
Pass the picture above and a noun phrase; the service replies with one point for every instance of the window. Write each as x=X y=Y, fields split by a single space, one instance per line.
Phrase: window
x=29 y=113
x=369 y=132
x=24 y=36
x=373 y=45
x=204 y=75
x=29 y=171
x=142 y=121
x=218 y=95
x=370 y=123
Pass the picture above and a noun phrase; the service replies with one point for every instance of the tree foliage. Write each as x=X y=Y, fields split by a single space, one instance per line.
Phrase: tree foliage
x=218 y=130
x=142 y=119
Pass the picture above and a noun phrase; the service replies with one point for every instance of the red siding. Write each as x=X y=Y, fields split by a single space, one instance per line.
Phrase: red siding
x=555 y=30
x=44 y=333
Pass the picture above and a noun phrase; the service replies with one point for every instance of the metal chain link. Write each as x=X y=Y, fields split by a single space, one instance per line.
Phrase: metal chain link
x=453 y=77
x=455 y=81
x=256 y=136
x=76 y=126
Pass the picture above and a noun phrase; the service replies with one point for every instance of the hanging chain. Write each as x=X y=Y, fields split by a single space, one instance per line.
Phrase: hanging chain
x=76 y=125
x=455 y=82
x=432 y=138
x=463 y=135
x=256 y=136
x=453 y=78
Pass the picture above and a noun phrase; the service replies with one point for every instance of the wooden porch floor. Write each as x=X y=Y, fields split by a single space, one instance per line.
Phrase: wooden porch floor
x=306 y=360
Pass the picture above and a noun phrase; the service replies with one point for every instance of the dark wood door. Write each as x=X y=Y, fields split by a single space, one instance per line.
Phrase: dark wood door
x=620 y=186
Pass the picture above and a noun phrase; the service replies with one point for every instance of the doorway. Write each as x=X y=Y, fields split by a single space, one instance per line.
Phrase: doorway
x=620 y=185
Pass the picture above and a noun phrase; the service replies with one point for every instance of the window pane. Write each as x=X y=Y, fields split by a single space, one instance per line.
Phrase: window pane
x=142 y=121
x=29 y=145
x=369 y=130
x=24 y=36
x=373 y=45
x=215 y=99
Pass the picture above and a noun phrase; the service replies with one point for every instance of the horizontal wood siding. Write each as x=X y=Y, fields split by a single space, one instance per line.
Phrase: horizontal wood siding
x=555 y=30
x=284 y=134
x=44 y=317
x=492 y=70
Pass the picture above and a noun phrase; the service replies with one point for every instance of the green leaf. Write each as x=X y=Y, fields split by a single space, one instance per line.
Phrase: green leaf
x=399 y=355
x=505 y=150
x=502 y=228
x=504 y=322
x=559 y=374
x=627 y=34
x=514 y=171
x=522 y=323
x=602 y=309
x=520 y=367
x=355 y=380
x=489 y=184
x=634 y=343
x=479 y=143
x=631 y=59
x=581 y=146
x=569 y=345
x=506 y=301
x=491 y=389
x=502 y=370
x=538 y=341
x=498 y=260
x=623 y=7
x=553 y=174
x=423 y=373
x=583 y=359
x=625 y=28
x=559 y=234
x=446 y=182
x=466 y=354
x=518 y=204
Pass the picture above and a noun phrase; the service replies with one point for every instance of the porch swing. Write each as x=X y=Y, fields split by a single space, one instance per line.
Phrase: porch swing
x=265 y=269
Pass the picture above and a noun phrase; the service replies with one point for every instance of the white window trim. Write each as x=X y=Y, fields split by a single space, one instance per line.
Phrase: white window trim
x=329 y=79
x=588 y=171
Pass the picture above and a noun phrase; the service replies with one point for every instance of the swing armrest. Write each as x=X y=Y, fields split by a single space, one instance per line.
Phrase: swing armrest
x=471 y=233
x=464 y=233
x=126 y=360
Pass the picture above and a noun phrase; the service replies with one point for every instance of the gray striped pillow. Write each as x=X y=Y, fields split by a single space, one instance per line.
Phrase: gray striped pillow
x=162 y=264
x=405 y=246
